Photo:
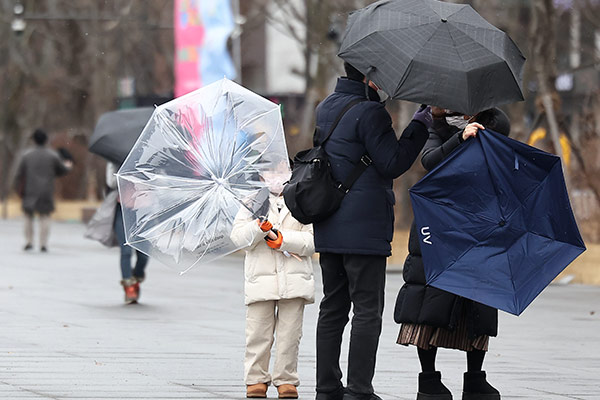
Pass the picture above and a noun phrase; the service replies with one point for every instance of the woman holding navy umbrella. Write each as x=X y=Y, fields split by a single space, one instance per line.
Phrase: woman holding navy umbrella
x=430 y=317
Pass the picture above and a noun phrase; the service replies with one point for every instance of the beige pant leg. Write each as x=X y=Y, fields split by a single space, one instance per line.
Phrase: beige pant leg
x=44 y=230
x=290 y=314
x=29 y=228
x=260 y=326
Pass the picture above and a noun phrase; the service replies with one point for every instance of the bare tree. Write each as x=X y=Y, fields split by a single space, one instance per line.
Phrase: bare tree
x=62 y=72
x=543 y=37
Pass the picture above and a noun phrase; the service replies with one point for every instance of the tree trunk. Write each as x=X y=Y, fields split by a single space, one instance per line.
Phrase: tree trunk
x=543 y=35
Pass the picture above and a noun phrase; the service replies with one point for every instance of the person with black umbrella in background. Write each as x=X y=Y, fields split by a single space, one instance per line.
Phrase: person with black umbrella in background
x=131 y=278
x=113 y=137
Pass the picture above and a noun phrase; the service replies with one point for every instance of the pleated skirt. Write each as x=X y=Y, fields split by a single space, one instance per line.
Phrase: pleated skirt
x=426 y=337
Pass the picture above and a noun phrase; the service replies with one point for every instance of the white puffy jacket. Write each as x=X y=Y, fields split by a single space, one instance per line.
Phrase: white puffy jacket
x=269 y=274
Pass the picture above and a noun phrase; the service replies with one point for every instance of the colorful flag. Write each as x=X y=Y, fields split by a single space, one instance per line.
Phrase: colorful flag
x=202 y=28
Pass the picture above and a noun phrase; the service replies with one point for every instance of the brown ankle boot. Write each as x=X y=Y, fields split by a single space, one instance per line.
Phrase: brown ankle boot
x=258 y=391
x=287 y=391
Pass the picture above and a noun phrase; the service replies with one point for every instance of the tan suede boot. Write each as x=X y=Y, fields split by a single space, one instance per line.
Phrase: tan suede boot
x=258 y=391
x=287 y=391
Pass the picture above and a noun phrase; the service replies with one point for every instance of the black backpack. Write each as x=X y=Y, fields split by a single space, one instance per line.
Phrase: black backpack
x=312 y=194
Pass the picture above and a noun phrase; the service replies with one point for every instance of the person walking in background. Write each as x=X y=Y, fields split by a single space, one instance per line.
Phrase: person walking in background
x=130 y=278
x=38 y=168
x=279 y=282
x=355 y=241
x=433 y=318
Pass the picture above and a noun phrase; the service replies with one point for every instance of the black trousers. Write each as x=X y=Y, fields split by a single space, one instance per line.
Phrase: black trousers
x=357 y=280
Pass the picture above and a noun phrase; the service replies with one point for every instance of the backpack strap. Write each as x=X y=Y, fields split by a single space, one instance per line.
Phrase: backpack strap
x=340 y=116
x=360 y=167
x=364 y=162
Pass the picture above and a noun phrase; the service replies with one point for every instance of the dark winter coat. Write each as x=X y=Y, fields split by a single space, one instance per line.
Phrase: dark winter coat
x=364 y=223
x=421 y=304
x=35 y=179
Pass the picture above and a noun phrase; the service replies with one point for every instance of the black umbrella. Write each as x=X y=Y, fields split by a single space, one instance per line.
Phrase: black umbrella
x=117 y=131
x=436 y=53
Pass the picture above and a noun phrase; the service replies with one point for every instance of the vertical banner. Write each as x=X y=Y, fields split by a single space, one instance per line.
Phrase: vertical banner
x=202 y=28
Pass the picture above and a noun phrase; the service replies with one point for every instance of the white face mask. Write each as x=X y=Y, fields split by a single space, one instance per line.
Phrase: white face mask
x=383 y=96
x=275 y=182
x=457 y=121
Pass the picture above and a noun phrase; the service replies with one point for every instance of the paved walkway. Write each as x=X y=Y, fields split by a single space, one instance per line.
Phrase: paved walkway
x=65 y=334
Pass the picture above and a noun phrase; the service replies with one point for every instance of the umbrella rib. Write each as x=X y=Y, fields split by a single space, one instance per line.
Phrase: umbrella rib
x=457 y=208
x=534 y=191
x=455 y=48
x=200 y=257
x=510 y=268
x=494 y=186
x=543 y=181
x=257 y=157
x=492 y=50
x=233 y=149
x=162 y=151
x=220 y=94
x=196 y=154
x=408 y=67
x=384 y=30
x=468 y=33
x=156 y=214
x=467 y=8
x=533 y=276
x=246 y=123
x=555 y=240
x=455 y=262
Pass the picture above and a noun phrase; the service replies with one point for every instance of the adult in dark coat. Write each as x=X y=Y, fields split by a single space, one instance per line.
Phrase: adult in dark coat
x=355 y=241
x=432 y=317
x=37 y=170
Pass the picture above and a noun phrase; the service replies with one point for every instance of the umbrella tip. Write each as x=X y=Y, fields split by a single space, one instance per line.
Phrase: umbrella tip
x=444 y=20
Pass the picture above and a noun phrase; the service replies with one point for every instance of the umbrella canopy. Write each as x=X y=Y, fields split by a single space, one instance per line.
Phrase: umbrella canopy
x=436 y=53
x=202 y=160
x=117 y=131
x=495 y=223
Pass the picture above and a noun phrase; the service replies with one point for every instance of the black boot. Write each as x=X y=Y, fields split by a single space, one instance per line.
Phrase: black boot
x=432 y=388
x=476 y=387
x=337 y=395
x=350 y=396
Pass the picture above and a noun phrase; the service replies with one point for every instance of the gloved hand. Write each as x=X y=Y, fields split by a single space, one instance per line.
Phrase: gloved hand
x=275 y=243
x=265 y=225
x=423 y=115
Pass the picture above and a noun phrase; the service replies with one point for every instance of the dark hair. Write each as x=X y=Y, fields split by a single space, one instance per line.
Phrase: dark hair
x=40 y=137
x=496 y=120
x=353 y=73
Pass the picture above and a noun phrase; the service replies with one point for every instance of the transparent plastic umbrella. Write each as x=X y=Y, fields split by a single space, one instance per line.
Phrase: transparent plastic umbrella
x=202 y=160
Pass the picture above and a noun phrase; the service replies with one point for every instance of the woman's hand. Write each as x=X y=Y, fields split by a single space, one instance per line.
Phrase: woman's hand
x=471 y=130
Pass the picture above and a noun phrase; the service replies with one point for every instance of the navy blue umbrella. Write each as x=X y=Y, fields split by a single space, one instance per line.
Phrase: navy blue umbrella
x=495 y=222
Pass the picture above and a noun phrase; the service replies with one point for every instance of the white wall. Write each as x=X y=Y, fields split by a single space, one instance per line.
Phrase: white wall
x=284 y=53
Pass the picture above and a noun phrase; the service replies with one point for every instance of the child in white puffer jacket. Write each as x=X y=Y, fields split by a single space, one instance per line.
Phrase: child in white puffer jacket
x=279 y=282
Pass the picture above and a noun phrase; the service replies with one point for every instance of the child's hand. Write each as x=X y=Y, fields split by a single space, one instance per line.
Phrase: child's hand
x=275 y=243
x=265 y=225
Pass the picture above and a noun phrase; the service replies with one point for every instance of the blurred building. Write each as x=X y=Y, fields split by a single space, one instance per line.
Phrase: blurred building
x=272 y=57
